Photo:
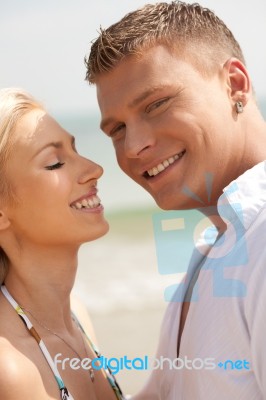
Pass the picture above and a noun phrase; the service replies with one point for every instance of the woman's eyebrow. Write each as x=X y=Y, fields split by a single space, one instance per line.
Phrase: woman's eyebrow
x=57 y=145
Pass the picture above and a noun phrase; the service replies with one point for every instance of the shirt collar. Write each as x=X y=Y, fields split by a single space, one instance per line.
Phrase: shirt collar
x=244 y=197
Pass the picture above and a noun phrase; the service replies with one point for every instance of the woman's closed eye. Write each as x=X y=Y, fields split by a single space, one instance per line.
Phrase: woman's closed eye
x=54 y=166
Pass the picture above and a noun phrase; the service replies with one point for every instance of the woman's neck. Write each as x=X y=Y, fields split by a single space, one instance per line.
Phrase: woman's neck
x=41 y=283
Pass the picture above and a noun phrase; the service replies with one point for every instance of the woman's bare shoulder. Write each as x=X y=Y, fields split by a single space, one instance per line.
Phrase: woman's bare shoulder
x=19 y=378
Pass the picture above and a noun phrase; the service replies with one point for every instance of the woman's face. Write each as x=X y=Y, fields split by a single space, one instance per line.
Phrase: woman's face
x=55 y=188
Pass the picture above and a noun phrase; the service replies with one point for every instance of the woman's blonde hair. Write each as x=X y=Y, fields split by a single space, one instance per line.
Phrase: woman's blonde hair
x=14 y=104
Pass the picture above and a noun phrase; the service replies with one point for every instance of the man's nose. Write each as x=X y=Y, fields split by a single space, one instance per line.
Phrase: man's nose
x=139 y=140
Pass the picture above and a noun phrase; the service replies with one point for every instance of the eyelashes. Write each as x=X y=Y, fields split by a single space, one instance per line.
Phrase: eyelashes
x=156 y=104
x=54 y=166
x=116 y=130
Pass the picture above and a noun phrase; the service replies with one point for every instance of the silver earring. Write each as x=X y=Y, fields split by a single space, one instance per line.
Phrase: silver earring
x=239 y=107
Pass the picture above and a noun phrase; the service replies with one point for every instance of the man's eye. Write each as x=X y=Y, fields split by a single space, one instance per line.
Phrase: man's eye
x=116 y=130
x=156 y=104
x=54 y=166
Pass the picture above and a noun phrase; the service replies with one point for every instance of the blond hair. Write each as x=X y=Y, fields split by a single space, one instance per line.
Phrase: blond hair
x=188 y=28
x=14 y=104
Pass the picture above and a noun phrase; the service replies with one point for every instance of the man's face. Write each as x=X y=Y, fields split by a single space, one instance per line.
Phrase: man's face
x=170 y=126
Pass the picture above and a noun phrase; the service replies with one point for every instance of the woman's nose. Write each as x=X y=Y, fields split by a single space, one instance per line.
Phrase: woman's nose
x=90 y=171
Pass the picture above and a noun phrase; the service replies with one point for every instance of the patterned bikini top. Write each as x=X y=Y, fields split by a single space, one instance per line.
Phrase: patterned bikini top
x=65 y=394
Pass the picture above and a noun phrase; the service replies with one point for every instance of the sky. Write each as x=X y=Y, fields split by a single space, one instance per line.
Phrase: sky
x=43 y=44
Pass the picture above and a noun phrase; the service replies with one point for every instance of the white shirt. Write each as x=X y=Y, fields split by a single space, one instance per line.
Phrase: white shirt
x=227 y=323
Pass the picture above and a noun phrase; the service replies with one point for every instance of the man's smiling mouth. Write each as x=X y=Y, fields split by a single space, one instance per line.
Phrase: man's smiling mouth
x=163 y=165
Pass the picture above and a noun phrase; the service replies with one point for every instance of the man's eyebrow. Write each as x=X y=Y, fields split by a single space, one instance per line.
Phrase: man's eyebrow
x=137 y=100
x=56 y=145
x=144 y=95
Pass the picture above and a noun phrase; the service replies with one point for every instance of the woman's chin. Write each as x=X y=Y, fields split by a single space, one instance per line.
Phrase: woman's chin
x=99 y=231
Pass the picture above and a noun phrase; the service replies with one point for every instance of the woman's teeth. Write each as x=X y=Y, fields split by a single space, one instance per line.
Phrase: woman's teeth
x=92 y=202
x=165 y=164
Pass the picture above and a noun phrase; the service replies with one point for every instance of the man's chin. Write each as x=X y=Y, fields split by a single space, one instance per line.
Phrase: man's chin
x=176 y=202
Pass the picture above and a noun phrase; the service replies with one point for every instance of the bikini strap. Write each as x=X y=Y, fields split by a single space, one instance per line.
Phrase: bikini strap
x=65 y=395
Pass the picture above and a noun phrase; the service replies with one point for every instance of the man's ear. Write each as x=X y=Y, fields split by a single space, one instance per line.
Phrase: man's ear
x=238 y=80
x=4 y=221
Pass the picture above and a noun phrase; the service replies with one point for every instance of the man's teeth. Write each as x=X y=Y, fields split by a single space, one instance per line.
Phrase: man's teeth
x=165 y=164
x=92 y=202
